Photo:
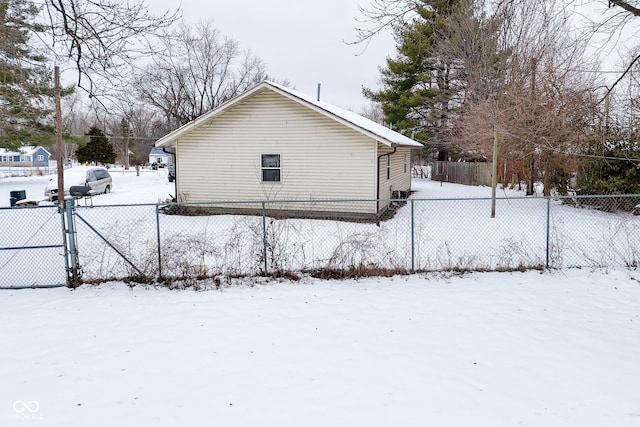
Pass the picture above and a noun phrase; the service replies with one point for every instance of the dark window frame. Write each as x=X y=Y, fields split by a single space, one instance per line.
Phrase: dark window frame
x=271 y=171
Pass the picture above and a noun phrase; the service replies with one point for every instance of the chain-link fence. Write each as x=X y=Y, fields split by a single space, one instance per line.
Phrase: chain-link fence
x=337 y=238
x=31 y=247
x=342 y=238
x=595 y=231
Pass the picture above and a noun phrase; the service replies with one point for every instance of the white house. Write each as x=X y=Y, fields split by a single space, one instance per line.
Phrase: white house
x=159 y=157
x=274 y=143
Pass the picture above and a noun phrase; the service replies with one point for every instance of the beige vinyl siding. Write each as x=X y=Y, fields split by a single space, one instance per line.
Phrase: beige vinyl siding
x=320 y=158
x=400 y=179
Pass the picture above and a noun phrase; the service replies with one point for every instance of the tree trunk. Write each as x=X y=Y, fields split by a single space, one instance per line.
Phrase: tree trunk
x=530 y=177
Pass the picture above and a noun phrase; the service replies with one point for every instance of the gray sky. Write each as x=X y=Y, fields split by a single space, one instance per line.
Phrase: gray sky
x=304 y=42
x=300 y=41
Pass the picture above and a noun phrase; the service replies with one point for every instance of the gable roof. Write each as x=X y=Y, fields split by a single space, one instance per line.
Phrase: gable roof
x=158 y=152
x=26 y=150
x=355 y=121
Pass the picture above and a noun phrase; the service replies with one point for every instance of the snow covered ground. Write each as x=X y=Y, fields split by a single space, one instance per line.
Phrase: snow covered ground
x=149 y=187
x=484 y=349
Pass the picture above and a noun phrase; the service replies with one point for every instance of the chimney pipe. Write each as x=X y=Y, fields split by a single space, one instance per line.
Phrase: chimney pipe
x=318 y=98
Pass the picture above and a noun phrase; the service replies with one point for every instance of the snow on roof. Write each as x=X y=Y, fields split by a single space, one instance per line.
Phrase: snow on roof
x=22 y=151
x=349 y=118
x=158 y=152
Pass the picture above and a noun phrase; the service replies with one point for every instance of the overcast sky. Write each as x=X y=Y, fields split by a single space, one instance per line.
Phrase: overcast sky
x=300 y=41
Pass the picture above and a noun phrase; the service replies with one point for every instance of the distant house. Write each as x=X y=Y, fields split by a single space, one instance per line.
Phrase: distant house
x=25 y=156
x=159 y=157
x=274 y=143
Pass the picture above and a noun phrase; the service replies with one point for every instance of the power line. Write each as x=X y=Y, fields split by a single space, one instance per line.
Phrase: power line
x=630 y=159
x=580 y=70
x=133 y=138
x=556 y=151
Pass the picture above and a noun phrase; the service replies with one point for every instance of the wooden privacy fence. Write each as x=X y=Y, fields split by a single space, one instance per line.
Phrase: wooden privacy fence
x=468 y=173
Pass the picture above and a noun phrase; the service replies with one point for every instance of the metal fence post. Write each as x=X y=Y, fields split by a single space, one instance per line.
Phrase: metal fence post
x=61 y=210
x=73 y=277
x=158 y=236
x=264 y=237
x=548 y=230
x=413 y=239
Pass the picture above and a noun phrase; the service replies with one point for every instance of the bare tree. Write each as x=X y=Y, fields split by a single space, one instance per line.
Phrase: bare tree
x=373 y=112
x=609 y=26
x=132 y=128
x=529 y=86
x=100 y=37
x=383 y=15
x=199 y=69
x=77 y=118
x=619 y=16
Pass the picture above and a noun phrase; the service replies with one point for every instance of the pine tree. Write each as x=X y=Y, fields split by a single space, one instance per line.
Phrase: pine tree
x=417 y=85
x=98 y=149
x=25 y=82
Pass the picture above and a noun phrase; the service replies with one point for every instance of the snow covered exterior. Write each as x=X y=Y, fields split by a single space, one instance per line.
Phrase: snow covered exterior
x=25 y=156
x=274 y=143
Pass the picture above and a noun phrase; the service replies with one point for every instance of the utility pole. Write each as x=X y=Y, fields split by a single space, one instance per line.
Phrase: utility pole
x=531 y=185
x=494 y=172
x=65 y=206
x=59 y=149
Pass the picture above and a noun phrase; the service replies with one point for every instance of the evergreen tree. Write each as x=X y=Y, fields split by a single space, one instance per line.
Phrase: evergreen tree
x=418 y=86
x=610 y=169
x=98 y=149
x=25 y=83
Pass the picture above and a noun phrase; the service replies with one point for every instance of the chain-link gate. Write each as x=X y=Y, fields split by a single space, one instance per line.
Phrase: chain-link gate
x=39 y=247
x=116 y=242
x=32 y=248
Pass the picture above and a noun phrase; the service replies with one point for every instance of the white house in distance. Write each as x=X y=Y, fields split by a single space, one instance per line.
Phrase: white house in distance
x=274 y=143
x=159 y=157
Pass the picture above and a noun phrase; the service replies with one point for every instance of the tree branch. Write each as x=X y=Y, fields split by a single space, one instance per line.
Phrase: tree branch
x=626 y=6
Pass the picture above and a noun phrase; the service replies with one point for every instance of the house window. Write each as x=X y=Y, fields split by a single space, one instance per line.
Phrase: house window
x=40 y=157
x=389 y=166
x=270 y=168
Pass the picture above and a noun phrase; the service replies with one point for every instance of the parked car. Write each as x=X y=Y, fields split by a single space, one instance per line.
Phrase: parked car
x=94 y=177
